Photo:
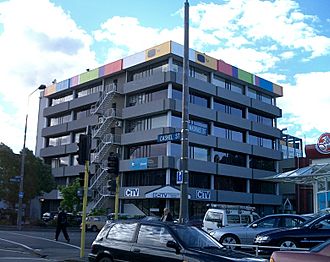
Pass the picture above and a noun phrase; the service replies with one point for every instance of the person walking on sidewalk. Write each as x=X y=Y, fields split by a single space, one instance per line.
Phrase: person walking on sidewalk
x=167 y=216
x=62 y=222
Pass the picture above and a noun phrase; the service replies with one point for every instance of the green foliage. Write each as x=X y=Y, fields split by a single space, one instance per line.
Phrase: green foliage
x=71 y=202
x=98 y=212
x=37 y=176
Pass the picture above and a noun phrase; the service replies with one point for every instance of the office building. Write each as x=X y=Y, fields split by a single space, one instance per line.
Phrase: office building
x=133 y=106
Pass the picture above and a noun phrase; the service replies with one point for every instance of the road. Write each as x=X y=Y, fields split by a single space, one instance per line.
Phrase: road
x=39 y=245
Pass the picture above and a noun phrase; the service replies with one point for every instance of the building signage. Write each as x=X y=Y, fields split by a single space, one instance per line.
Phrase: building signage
x=152 y=162
x=139 y=163
x=166 y=195
x=198 y=129
x=179 y=177
x=323 y=144
x=164 y=192
x=203 y=194
x=132 y=192
x=169 y=137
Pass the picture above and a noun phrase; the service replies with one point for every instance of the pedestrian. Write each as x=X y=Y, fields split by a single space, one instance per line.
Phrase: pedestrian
x=167 y=216
x=62 y=222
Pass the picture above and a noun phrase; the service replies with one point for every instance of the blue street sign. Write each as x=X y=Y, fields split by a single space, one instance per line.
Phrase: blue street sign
x=20 y=194
x=169 y=137
x=179 y=177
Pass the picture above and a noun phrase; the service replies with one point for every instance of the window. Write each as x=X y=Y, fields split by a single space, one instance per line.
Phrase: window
x=59 y=100
x=228 y=109
x=83 y=114
x=90 y=90
x=142 y=98
x=151 y=150
x=199 y=180
x=261 y=119
x=153 y=236
x=233 y=219
x=60 y=161
x=269 y=223
x=58 y=141
x=148 y=71
x=60 y=120
x=228 y=134
x=234 y=184
x=227 y=84
x=290 y=222
x=262 y=163
x=261 y=187
x=199 y=100
x=261 y=141
x=144 y=178
x=198 y=153
x=229 y=158
x=122 y=232
x=143 y=124
x=260 y=96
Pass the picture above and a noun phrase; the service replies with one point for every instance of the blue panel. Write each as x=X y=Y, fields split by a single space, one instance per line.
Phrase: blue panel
x=62 y=85
x=321 y=204
x=235 y=71
x=139 y=164
x=265 y=84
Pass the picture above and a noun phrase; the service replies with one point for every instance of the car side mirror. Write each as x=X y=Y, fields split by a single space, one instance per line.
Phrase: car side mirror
x=254 y=225
x=219 y=224
x=173 y=244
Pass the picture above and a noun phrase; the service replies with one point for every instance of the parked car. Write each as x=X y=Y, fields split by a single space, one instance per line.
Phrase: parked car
x=143 y=241
x=95 y=223
x=246 y=234
x=48 y=216
x=319 y=253
x=307 y=235
x=228 y=215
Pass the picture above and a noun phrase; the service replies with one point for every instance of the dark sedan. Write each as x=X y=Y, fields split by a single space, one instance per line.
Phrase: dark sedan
x=158 y=241
x=309 y=234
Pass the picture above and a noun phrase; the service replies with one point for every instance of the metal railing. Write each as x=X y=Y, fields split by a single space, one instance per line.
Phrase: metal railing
x=257 y=248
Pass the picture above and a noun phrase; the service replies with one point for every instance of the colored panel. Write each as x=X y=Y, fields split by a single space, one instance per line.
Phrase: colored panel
x=62 y=85
x=256 y=80
x=245 y=76
x=263 y=83
x=206 y=60
x=133 y=60
x=235 y=71
x=158 y=51
x=177 y=49
x=50 y=90
x=278 y=89
x=225 y=68
x=110 y=68
x=88 y=76
x=74 y=81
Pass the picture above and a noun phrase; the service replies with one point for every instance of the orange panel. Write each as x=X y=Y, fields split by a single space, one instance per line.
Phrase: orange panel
x=50 y=90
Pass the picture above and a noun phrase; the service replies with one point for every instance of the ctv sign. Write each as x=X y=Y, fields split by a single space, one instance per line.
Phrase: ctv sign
x=323 y=144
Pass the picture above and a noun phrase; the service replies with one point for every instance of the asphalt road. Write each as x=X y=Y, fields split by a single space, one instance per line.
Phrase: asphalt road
x=39 y=245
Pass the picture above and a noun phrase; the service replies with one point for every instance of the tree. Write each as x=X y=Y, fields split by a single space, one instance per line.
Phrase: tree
x=71 y=202
x=37 y=176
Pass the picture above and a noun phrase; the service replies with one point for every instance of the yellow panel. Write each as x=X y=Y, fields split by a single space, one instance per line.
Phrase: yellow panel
x=206 y=60
x=50 y=90
x=278 y=89
x=157 y=51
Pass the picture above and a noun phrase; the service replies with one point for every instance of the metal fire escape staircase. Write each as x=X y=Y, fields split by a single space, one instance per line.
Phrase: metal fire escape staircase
x=105 y=142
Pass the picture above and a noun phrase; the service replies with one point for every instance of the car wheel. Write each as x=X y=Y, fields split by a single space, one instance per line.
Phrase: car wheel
x=287 y=244
x=94 y=228
x=229 y=239
x=104 y=259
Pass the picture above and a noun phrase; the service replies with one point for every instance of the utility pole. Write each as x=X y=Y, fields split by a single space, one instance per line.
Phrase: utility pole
x=184 y=214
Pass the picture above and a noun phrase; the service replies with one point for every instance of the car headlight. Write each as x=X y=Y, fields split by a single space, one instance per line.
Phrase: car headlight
x=212 y=233
x=260 y=239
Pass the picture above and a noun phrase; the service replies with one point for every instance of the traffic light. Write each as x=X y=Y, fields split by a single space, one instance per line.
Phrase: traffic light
x=81 y=179
x=83 y=149
x=113 y=165
x=111 y=185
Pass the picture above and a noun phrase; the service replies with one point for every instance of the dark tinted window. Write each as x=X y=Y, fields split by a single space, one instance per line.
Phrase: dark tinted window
x=153 y=236
x=269 y=223
x=122 y=232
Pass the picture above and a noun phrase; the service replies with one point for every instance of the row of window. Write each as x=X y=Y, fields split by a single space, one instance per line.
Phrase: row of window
x=198 y=180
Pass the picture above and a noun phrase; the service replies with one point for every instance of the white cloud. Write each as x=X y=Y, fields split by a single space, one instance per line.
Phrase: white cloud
x=308 y=103
x=39 y=42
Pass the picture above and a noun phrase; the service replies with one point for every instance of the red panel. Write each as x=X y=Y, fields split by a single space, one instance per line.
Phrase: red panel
x=312 y=153
x=225 y=68
x=113 y=67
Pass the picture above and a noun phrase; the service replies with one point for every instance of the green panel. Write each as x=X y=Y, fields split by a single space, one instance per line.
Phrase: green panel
x=90 y=75
x=245 y=76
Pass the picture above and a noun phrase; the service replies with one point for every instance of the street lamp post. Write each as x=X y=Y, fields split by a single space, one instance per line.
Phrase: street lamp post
x=21 y=183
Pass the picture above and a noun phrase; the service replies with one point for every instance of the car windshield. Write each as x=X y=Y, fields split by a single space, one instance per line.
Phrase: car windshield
x=192 y=237
x=311 y=220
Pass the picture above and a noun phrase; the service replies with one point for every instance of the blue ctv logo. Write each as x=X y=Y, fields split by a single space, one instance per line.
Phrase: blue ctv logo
x=203 y=194
x=139 y=163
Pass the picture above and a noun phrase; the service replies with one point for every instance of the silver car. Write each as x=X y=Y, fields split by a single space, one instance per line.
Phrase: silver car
x=245 y=234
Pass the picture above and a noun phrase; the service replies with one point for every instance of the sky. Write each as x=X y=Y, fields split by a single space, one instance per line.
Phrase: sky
x=284 y=41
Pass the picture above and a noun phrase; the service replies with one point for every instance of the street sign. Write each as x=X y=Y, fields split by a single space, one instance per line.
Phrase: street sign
x=169 y=137
x=179 y=177
x=20 y=194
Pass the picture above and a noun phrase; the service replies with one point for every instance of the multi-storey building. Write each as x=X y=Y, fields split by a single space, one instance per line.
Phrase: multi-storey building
x=132 y=103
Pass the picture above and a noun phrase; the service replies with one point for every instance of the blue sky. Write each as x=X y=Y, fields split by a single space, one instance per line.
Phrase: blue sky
x=284 y=41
